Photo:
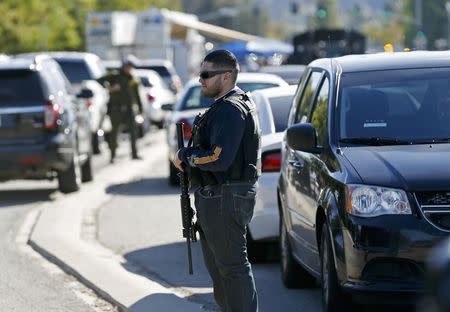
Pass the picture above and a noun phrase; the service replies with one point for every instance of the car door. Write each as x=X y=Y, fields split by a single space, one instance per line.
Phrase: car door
x=297 y=182
x=310 y=175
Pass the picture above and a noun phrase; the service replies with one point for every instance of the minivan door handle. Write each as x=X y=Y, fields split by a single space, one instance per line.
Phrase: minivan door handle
x=296 y=164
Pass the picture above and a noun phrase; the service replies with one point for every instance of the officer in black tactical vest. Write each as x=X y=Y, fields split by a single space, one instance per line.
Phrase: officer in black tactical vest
x=224 y=165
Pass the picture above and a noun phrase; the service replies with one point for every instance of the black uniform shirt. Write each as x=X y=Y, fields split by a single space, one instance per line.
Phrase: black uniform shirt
x=221 y=136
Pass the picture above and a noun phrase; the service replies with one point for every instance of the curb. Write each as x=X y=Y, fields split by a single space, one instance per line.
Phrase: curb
x=56 y=235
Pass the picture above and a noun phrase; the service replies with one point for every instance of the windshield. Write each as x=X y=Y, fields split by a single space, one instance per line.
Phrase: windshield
x=194 y=99
x=12 y=86
x=76 y=70
x=395 y=106
x=280 y=107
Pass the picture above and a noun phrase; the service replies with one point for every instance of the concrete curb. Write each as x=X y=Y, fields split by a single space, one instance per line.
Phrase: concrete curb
x=57 y=236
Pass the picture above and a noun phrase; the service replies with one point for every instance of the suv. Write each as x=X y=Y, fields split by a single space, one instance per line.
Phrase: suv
x=42 y=130
x=82 y=69
x=364 y=187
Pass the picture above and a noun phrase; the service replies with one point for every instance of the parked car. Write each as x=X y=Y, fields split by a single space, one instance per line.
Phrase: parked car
x=291 y=73
x=273 y=105
x=43 y=132
x=82 y=69
x=166 y=70
x=365 y=177
x=192 y=103
x=163 y=67
x=156 y=95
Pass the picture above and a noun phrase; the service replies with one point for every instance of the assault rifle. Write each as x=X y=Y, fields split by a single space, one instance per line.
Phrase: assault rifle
x=187 y=213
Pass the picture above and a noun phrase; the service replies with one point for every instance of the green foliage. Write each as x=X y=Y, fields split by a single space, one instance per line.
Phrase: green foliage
x=36 y=25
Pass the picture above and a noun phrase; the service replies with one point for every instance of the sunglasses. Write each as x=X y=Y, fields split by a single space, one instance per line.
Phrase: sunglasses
x=212 y=73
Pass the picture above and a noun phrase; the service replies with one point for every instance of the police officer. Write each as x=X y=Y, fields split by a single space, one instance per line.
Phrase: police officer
x=224 y=164
x=124 y=103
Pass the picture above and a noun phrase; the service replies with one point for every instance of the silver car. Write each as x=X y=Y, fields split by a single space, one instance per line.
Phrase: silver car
x=273 y=106
x=157 y=95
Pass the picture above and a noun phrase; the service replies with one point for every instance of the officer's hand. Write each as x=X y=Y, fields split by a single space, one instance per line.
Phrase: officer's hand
x=177 y=162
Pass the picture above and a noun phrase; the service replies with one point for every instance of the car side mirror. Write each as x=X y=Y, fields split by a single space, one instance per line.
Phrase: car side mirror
x=302 y=137
x=167 y=107
x=85 y=94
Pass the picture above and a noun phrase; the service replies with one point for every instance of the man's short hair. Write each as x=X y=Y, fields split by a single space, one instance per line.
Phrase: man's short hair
x=222 y=59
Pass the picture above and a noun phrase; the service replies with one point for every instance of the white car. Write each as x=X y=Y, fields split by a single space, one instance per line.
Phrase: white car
x=82 y=69
x=191 y=103
x=157 y=95
x=273 y=106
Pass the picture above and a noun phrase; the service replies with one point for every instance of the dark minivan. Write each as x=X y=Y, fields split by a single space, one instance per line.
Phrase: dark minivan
x=364 y=190
x=43 y=132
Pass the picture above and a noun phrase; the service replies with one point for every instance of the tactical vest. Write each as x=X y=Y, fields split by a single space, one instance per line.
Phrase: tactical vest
x=247 y=163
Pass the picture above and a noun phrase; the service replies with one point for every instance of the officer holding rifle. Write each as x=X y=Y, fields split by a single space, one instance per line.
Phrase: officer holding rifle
x=224 y=165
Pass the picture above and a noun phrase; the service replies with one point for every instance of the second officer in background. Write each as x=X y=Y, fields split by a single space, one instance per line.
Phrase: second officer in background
x=124 y=103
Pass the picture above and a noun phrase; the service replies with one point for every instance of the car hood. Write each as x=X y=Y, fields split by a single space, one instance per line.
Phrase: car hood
x=410 y=167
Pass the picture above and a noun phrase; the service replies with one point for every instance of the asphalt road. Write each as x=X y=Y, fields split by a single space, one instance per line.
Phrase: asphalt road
x=28 y=282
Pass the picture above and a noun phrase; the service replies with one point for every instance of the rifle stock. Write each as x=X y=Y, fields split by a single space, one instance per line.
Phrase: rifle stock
x=187 y=213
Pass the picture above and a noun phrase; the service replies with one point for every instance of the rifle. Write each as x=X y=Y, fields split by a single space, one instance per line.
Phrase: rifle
x=187 y=213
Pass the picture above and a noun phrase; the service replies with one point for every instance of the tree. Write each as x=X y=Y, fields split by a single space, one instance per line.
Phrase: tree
x=36 y=25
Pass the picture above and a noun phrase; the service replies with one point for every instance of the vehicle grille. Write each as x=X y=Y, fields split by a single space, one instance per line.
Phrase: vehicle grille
x=435 y=207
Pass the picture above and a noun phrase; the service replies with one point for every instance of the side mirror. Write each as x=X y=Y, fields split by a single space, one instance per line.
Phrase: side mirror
x=85 y=94
x=167 y=107
x=302 y=137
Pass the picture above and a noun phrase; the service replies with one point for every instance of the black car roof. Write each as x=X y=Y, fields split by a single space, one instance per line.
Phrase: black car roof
x=386 y=61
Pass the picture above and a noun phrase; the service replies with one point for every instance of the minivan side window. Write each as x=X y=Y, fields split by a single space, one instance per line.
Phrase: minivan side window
x=319 y=116
x=304 y=105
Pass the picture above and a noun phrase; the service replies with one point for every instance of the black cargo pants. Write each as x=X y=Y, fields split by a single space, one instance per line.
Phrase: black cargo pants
x=223 y=212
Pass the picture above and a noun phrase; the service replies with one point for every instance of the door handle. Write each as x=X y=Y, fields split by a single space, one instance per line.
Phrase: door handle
x=296 y=164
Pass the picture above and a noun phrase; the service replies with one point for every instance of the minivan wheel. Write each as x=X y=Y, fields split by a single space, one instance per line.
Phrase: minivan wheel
x=333 y=300
x=292 y=274
x=86 y=170
x=69 y=180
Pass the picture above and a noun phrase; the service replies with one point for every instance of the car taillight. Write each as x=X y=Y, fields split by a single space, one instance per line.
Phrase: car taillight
x=51 y=114
x=271 y=161
x=187 y=130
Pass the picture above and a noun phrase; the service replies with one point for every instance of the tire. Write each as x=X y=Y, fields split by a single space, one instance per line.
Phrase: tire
x=95 y=144
x=256 y=251
x=293 y=274
x=86 y=170
x=333 y=300
x=173 y=175
x=70 y=180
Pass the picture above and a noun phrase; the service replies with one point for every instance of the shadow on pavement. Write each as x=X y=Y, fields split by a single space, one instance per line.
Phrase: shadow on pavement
x=24 y=196
x=168 y=265
x=144 y=186
x=169 y=302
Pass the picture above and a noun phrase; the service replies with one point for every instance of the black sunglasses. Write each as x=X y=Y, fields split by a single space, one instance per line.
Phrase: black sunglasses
x=212 y=73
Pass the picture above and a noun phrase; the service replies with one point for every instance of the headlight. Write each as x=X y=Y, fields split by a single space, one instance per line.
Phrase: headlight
x=372 y=201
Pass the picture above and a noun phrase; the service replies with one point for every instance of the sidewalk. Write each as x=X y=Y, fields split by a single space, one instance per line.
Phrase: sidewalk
x=57 y=236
